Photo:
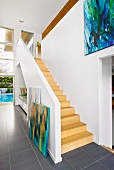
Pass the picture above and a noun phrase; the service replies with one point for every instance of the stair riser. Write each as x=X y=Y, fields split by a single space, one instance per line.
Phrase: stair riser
x=73 y=131
x=47 y=74
x=77 y=144
x=50 y=78
x=53 y=83
x=70 y=120
x=55 y=88
x=43 y=69
x=40 y=63
x=58 y=93
x=65 y=104
x=67 y=112
x=61 y=98
x=50 y=81
x=38 y=59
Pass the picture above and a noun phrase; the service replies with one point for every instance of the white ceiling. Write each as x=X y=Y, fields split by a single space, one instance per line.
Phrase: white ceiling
x=36 y=14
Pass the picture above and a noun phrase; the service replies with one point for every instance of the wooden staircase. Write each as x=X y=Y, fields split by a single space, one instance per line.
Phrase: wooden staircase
x=73 y=132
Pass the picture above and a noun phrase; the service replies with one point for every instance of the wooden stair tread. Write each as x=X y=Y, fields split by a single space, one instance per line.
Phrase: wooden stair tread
x=52 y=83
x=58 y=90
x=41 y=64
x=47 y=71
x=50 y=78
x=61 y=98
x=72 y=129
x=44 y=69
x=61 y=95
x=76 y=137
x=68 y=119
x=55 y=87
x=67 y=111
x=38 y=59
x=64 y=101
x=66 y=108
x=69 y=116
x=71 y=126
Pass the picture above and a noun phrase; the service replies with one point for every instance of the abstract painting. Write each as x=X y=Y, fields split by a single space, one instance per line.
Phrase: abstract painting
x=39 y=126
x=33 y=96
x=98 y=25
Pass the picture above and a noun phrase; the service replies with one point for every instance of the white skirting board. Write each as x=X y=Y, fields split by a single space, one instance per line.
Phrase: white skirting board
x=55 y=160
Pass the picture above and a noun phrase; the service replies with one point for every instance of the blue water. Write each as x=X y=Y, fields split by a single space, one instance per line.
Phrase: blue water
x=6 y=97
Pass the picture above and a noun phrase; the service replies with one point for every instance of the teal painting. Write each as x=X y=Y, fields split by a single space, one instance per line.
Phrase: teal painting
x=98 y=25
x=39 y=126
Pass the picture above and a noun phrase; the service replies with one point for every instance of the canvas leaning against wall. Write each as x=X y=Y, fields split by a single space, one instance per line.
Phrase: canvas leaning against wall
x=98 y=25
x=34 y=96
x=39 y=126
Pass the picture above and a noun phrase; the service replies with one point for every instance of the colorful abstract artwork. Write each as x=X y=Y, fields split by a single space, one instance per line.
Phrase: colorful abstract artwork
x=39 y=126
x=98 y=25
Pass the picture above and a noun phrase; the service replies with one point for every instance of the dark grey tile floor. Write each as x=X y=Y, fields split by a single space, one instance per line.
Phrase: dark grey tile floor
x=17 y=152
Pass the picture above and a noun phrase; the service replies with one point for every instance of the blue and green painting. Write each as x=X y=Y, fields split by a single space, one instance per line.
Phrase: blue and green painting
x=39 y=126
x=98 y=25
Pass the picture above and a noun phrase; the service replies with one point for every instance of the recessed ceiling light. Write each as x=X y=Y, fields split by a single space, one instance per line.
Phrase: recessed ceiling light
x=21 y=21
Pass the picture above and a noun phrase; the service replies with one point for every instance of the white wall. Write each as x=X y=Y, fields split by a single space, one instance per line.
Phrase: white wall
x=63 y=51
x=19 y=83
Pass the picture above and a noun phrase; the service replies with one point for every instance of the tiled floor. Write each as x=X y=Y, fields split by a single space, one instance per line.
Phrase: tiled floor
x=18 y=153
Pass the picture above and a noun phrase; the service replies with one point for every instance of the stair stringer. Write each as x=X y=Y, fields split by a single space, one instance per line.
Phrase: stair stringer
x=34 y=78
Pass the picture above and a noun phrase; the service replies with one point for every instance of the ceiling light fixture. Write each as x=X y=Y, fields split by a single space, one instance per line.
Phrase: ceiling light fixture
x=21 y=21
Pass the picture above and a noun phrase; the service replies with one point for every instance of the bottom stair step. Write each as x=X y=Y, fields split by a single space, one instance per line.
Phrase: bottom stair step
x=74 y=141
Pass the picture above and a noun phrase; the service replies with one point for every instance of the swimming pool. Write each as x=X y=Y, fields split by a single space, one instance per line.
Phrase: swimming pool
x=6 y=97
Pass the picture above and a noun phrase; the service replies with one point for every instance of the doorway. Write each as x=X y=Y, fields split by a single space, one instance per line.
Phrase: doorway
x=105 y=101
x=113 y=102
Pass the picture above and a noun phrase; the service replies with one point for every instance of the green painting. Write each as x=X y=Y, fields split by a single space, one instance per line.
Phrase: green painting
x=39 y=126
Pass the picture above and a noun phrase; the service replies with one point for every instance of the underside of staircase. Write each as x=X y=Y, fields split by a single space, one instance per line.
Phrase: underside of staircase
x=73 y=131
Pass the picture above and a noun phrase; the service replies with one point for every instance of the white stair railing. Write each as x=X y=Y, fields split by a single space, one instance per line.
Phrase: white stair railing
x=34 y=77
